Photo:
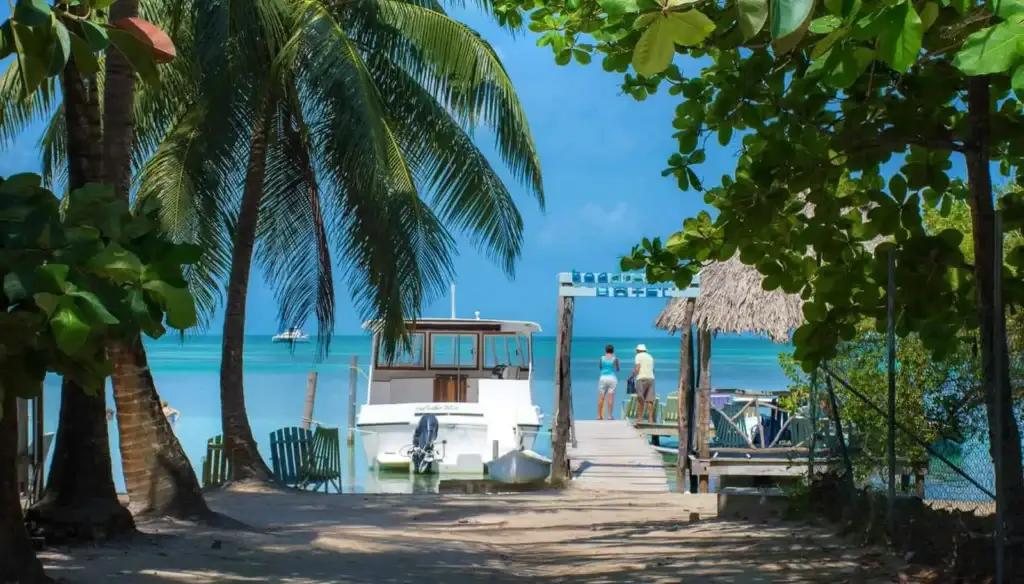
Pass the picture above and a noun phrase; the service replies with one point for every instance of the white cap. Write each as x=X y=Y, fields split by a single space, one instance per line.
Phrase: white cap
x=641 y=347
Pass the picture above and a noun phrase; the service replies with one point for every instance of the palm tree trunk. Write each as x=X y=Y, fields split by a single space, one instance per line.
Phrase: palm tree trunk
x=999 y=398
x=158 y=475
x=18 y=560
x=79 y=501
x=685 y=383
x=239 y=444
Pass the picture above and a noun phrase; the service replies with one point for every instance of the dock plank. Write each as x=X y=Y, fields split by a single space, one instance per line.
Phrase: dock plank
x=611 y=455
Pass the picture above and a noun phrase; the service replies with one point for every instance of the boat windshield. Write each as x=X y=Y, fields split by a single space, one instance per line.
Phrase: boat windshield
x=506 y=349
x=407 y=357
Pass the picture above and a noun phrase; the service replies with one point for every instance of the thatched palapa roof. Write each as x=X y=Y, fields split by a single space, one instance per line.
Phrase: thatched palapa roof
x=732 y=300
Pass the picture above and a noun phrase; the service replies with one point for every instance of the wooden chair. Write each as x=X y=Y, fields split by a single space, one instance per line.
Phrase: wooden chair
x=800 y=432
x=216 y=468
x=322 y=465
x=288 y=448
x=670 y=413
x=726 y=433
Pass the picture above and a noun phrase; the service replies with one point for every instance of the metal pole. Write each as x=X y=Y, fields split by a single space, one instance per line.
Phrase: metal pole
x=353 y=379
x=837 y=419
x=891 y=411
x=998 y=330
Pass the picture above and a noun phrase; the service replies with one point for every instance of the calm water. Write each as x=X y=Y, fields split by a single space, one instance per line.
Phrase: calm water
x=186 y=374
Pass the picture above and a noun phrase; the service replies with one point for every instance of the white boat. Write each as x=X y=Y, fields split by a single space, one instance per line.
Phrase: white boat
x=292 y=335
x=473 y=375
x=519 y=467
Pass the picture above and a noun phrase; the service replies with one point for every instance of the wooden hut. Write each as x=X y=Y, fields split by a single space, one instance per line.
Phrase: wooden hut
x=731 y=300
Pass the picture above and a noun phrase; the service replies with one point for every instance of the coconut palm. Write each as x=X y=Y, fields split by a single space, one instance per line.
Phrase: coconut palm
x=158 y=475
x=345 y=129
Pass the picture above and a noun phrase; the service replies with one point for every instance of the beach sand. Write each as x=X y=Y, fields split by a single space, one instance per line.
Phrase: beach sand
x=569 y=536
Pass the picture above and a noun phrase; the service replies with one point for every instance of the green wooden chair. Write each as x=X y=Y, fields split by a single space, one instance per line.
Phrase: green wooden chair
x=629 y=407
x=322 y=465
x=288 y=448
x=670 y=413
x=216 y=468
x=800 y=432
x=726 y=433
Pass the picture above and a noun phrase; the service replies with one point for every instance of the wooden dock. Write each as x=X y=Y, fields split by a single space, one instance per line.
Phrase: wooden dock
x=611 y=455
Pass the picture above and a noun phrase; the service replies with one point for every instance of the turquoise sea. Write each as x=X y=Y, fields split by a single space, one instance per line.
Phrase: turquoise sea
x=187 y=376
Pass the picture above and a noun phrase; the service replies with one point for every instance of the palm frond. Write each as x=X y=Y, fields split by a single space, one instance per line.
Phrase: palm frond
x=53 y=147
x=464 y=73
x=464 y=189
x=17 y=111
x=293 y=241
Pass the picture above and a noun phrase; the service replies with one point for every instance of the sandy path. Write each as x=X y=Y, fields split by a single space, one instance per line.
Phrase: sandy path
x=561 y=537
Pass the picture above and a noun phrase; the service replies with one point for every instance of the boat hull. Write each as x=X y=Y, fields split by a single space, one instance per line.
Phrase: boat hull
x=519 y=467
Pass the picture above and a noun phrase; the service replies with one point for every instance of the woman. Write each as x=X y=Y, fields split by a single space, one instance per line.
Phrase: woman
x=609 y=365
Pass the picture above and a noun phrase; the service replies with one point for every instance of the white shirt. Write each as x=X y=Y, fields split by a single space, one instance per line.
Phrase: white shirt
x=645 y=364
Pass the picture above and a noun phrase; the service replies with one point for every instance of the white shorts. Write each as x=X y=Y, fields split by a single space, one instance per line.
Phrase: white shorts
x=606 y=384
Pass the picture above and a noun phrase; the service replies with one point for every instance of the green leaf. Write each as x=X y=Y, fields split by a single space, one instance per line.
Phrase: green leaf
x=93 y=304
x=689 y=28
x=85 y=59
x=645 y=20
x=7 y=46
x=61 y=48
x=929 y=14
x=1006 y=8
x=32 y=12
x=33 y=54
x=138 y=54
x=752 y=16
x=177 y=303
x=46 y=301
x=95 y=35
x=828 y=42
x=991 y=50
x=1017 y=81
x=788 y=16
x=654 y=50
x=52 y=276
x=117 y=264
x=618 y=7
x=69 y=329
x=825 y=24
x=899 y=37
x=849 y=65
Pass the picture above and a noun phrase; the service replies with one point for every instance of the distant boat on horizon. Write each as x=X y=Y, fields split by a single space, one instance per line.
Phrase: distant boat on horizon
x=292 y=335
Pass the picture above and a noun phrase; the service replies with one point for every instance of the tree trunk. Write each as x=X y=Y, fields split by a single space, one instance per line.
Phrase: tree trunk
x=998 y=396
x=685 y=383
x=158 y=475
x=239 y=444
x=563 y=400
x=18 y=562
x=79 y=501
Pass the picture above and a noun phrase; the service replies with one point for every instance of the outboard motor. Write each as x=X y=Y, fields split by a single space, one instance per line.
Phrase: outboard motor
x=423 y=450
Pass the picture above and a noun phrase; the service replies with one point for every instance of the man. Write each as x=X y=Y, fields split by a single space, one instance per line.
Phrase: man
x=643 y=371
x=171 y=413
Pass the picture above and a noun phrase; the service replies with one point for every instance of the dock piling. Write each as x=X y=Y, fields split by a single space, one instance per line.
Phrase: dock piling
x=353 y=379
x=307 y=409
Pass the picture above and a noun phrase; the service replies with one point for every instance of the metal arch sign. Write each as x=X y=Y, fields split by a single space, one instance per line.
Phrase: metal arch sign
x=620 y=285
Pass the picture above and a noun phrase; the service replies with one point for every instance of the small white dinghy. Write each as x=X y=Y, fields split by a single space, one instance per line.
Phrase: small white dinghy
x=517 y=467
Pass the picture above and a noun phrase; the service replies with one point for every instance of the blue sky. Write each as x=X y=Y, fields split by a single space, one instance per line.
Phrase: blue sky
x=602 y=154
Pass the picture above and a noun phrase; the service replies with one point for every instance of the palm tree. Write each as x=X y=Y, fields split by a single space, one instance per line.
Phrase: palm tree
x=335 y=118
x=158 y=475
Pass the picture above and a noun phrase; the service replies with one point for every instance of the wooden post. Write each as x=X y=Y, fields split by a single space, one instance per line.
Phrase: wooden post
x=22 y=449
x=919 y=482
x=38 y=456
x=704 y=402
x=891 y=410
x=353 y=379
x=307 y=409
x=563 y=387
x=685 y=383
x=813 y=410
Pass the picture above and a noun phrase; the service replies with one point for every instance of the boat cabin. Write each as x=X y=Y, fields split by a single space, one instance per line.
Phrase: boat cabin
x=446 y=359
